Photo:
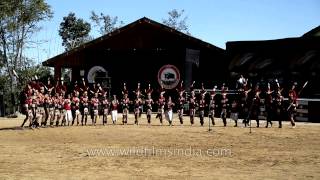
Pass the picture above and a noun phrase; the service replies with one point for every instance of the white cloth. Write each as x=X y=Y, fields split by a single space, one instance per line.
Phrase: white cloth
x=86 y=111
x=114 y=115
x=170 y=115
x=77 y=112
x=68 y=115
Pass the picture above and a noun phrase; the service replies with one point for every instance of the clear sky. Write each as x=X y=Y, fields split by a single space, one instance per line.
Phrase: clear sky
x=213 y=21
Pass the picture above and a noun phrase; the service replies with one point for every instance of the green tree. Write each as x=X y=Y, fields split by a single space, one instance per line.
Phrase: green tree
x=105 y=23
x=31 y=70
x=28 y=71
x=74 y=31
x=19 y=20
x=177 y=21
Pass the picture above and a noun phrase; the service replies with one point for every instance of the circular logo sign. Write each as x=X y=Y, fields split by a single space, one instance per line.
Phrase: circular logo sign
x=169 y=76
x=93 y=72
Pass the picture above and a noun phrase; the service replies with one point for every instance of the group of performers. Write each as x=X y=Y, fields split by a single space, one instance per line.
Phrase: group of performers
x=55 y=105
x=276 y=108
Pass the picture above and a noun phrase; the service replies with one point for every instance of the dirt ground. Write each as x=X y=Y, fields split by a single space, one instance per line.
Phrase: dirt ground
x=159 y=152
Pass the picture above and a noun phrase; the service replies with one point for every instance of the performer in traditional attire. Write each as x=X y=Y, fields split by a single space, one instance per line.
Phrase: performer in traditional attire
x=202 y=105
x=84 y=108
x=245 y=104
x=105 y=108
x=181 y=101
x=95 y=108
x=27 y=101
x=292 y=105
x=67 y=109
x=38 y=114
x=35 y=112
x=46 y=105
x=212 y=105
x=161 y=103
x=269 y=106
x=27 y=110
x=256 y=104
x=114 y=109
x=40 y=107
x=148 y=103
x=139 y=96
x=125 y=108
x=137 y=104
x=51 y=110
x=234 y=112
x=76 y=107
x=169 y=112
x=278 y=104
x=192 y=107
x=224 y=106
x=57 y=107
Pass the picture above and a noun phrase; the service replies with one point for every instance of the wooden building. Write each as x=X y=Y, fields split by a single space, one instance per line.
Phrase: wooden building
x=289 y=59
x=136 y=53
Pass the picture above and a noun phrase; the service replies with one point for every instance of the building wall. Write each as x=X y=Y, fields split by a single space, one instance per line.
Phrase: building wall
x=142 y=65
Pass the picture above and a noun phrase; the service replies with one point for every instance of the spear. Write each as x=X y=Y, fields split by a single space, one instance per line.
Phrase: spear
x=304 y=85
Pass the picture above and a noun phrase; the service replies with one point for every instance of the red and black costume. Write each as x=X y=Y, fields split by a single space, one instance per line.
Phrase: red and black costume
x=269 y=105
x=137 y=106
x=292 y=105
x=75 y=104
x=234 y=109
x=202 y=105
x=161 y=103
x=192 y=108
x=278 y=105
x=84 y=108
x=105 y=109
x=245 y=104
x=256 y=105
x=125 y=108
x=212 y=105
x=224 y=106
x=148 y=103
x=95 y=108
x=181 y=102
